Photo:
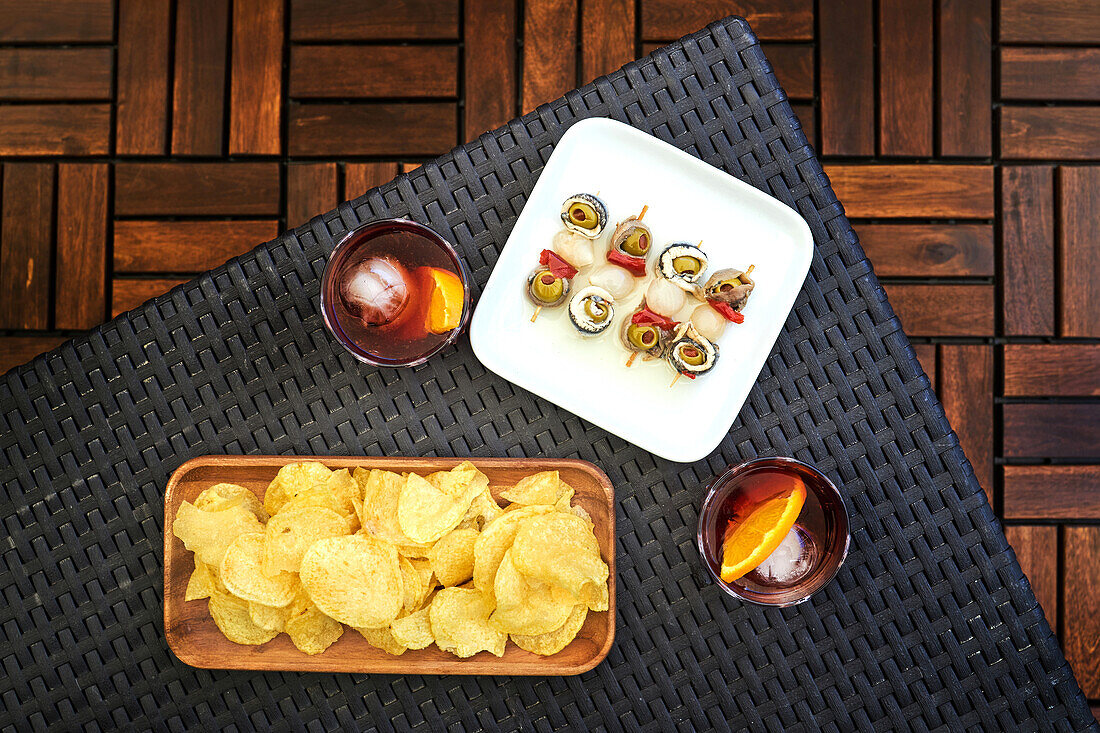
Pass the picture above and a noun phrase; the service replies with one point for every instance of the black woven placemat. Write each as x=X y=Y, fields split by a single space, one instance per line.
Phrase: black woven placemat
x=930 y=624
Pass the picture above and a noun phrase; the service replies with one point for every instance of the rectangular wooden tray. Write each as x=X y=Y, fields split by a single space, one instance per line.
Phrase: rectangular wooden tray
x=195 y=639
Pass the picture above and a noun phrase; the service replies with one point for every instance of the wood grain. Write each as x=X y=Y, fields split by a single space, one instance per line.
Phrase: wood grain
x=198 y=99
x=905 y=78
x=195 y=639
x=55 y=129
x=1081 y=634
x=787 y=20
x=1054 y=21
x=965 y=77
x=1057 y=370
x=156 y=189
x=142 y=110
x=1027 y=226
x=1065 y=133
x=607 y=37
x=793 y=65
x=362 y=177
x=966 y=388
x=549 y=50
x=1050 y=73
x=59 y=21
x=926 y=355
x=256 y=78
x=1037 y=550
x=929 y=250
x=335 y=130
x=185 y=246
x=128 y=293
x=26 y=233
x=1079 y=256
x=1047 y=430
x=1052 y=492
x=933 y=191
x=402 y=71
x=490 y=65
x=311 y=189
x=82 y=198
x=847 y=77
x=16 y=350
x=55 y=73
x=323 y=20
x=943 y=310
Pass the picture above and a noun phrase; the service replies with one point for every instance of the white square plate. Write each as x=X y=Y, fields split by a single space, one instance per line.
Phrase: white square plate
x=688 y=200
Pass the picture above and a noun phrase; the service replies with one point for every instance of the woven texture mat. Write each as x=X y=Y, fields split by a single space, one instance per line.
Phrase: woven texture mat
x=930 y=623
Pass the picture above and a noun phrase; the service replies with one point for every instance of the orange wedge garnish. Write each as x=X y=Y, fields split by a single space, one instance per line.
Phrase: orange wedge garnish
x=749 y=543
x=446 y=300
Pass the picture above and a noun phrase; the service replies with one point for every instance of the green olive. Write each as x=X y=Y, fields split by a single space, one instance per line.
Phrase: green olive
x=547 y=288
x=727 y=285
x=583 y=215
x=641 y=336
x=595 y=309
x=686 y=265
x=636 y=243
x=692 y=356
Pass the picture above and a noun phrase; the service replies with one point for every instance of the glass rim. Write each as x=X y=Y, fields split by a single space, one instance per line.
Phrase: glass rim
x=736 y=469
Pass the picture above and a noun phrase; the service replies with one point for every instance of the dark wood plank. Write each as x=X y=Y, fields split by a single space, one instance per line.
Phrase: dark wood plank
x=926 y=355
x=1027 y=226
x=1037 y=550
x=142 y=113
x=1050 y=73
x=933 y=191
x=59 y=21
x=310 y=190
x=16 y=350
x=128 y=293
x=905 y=78
x=399 y=71
x=1048 y=430
x=966 y=391
x=1081 y=635
x=333 y=130
x=1050 y=133
x=26 y=245
x=549 y=50
x=807 y=117
x=55 y=73
x=929 y=250
x=793 y=65
x=185 y=246
x=256 y=83
x=607 y=37
x=943 y=310
x=1052 y=492
x=159 y=189
x=1079 y=265
x=965 y=78
x=847 y=77
x=82 y=190
x=362 y=177
x=55 y=129
x=1054 y=21
x=198 y=100
x=1062 y=370
x=323 y=20
x=490 y=64
x=667 y=20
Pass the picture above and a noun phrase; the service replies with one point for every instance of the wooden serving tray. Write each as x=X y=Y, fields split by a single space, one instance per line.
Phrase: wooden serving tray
x=195 y=639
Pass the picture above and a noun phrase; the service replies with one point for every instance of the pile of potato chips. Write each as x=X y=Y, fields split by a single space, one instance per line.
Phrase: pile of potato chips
x=405 y=560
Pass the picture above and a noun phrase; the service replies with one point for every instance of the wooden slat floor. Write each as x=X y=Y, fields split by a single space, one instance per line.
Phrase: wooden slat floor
x=143 y=141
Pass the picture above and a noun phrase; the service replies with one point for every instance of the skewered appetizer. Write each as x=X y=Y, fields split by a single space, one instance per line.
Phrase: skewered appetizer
x=690 y=353
x=549 y=284
x=647 y=333
x=683 y=265
x=630 y=244
x=591 y=310
x=584 y=214
x=728 y=290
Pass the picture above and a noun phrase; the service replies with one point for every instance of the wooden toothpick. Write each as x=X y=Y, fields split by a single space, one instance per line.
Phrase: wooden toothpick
x=538 y=309
x=645 y=208
x=631 y=359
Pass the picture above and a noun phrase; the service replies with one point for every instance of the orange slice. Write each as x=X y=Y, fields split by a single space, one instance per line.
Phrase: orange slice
x=749 y=543
x=446 y=300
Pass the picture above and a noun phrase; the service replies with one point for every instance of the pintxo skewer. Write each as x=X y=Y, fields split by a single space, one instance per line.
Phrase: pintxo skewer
x=585 y=219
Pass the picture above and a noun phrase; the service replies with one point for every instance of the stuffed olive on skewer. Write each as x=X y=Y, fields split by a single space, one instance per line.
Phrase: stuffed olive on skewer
x=646 y=333
x=690 y=353
x=549 y=284
x=728 y=290
x=591 y=310
x=630 y=243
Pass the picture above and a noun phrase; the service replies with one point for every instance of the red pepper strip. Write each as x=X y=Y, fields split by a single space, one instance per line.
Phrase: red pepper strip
x=646 y=317
x=558 y=267
x=727 y=311
x=636 y=265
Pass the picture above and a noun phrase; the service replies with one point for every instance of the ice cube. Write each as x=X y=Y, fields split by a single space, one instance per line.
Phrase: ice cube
x=791 y=561
x=376 y=290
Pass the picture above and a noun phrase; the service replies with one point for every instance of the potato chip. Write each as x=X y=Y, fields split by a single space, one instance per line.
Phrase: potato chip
x=525 y=605
x=322 y=497
x=554 y=641
x=381 y=492
x=355 y=579
x=415 y=587
x=460 y=623
x=383 y=639
x=559 y=548
x=425 y=512
x=290 y=533
x=208 y=534
x=271 y=618
x=483 y=509
x=240 y=571
x=413 y=631
x=596 y=597
x=224 y=496
x=293 y=479
x=312 y=631
x=463 y=482
x=341 y=485
x=565 y=497
x=424 y=567
x=538 y=488
x=231 y=616
x=495 y=540
x=201 y=584
x=452 y=556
